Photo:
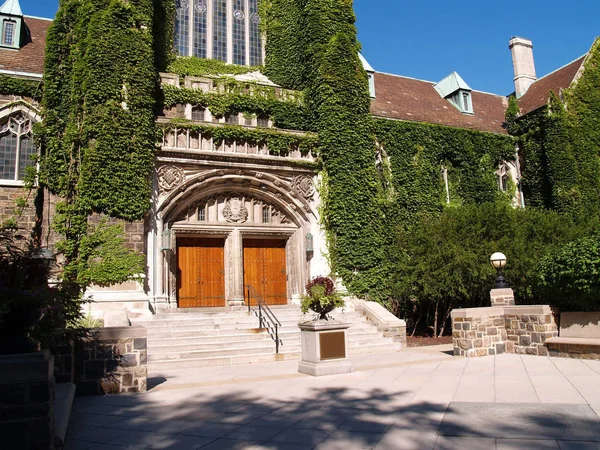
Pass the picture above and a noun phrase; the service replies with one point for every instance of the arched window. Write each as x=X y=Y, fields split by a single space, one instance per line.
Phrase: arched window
x=227 y=30
x=16 y=148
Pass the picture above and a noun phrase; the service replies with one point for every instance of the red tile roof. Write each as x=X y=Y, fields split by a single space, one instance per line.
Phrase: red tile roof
x=417 y=101
x=538 y=93
x=30 y=58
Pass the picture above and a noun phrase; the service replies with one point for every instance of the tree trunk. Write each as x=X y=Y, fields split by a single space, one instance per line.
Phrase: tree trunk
x=448 y=311
x=435 y=319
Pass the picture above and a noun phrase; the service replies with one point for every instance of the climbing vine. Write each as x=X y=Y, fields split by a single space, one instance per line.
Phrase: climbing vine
x=17 y=86
x=232 y=97
x=279 y=143
x=199 y=67
x=418 y=152
x=560 y=145
x=98 y=135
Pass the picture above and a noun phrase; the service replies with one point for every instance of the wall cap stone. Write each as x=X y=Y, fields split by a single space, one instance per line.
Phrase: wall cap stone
x=573 y=341
x=26 y=367
x=381 y=316
x=478 y=312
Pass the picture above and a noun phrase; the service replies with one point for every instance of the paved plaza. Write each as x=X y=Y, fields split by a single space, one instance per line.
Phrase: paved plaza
x=419 y=398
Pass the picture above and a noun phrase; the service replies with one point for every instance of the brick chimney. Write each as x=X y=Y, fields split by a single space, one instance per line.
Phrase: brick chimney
x=523 y=64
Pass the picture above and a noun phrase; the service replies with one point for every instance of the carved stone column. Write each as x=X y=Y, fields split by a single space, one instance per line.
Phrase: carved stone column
x=236 y=269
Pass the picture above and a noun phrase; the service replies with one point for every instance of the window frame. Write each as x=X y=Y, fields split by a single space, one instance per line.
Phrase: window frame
x=4 y=122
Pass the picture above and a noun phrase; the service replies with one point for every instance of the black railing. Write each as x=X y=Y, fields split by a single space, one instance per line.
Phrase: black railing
x=266 y=318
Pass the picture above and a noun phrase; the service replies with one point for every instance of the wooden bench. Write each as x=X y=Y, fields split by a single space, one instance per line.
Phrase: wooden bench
x=578 y=337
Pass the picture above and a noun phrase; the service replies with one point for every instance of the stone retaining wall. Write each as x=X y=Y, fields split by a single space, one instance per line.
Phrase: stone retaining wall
x=26 y=401
x=502 y=329
x=581 y=350
x=113 y=361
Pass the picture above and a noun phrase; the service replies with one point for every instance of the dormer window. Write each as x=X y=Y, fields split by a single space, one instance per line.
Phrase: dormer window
x=370 y=73
x=8 y=35
x=454 y=89
x=11 y=19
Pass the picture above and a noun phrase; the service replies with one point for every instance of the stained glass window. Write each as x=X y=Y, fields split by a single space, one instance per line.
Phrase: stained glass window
x=220 y=30
x=182 y=27
x=255 y=39
x=200 y=28
x=239 y=31
x=16 y=148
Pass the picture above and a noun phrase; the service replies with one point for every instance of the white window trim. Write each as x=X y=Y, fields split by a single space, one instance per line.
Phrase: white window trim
x=32 y=114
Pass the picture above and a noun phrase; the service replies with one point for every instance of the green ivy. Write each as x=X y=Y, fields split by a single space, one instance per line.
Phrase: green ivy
x=560 y=145
x=419 y=151
x=18 y=86
x=199 y=67
x=98 y=136
x=279 y=143
x=242 y=97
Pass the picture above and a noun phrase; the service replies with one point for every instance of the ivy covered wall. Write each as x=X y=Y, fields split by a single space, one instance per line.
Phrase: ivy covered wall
x=98 y=135
x=560 y=145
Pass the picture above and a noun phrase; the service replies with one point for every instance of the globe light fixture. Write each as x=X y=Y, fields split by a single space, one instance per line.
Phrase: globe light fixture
x=498 y=260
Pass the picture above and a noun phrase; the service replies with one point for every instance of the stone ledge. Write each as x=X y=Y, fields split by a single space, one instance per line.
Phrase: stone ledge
x=573 y=341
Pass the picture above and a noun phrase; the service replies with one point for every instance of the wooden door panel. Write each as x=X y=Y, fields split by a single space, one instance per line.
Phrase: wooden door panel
x=265 y=269
x=201 y=271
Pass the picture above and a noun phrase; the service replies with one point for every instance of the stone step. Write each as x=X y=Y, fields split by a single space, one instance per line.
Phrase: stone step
x=220 y=361
x=264 y=347
x=226 y=340
x=194 y=331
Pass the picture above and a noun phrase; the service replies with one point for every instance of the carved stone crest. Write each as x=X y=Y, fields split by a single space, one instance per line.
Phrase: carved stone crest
x=304 y=186
x=169 y=177
x=235 y=211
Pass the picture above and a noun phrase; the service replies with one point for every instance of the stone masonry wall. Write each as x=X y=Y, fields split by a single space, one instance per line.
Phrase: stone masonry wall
x=27 y=401
x=479 y=334
x=573 y=350
x=528 y=332
x=502 y=329
x=112 y=361
x=8 y=198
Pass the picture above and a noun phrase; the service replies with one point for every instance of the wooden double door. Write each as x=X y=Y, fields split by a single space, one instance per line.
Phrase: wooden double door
x=200 y=272
x=265 y=269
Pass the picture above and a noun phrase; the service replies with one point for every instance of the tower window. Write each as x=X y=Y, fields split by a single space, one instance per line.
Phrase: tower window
x=202 y=213
x=8 y=36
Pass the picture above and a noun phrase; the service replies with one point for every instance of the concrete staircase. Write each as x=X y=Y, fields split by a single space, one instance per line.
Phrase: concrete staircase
x=187 y=338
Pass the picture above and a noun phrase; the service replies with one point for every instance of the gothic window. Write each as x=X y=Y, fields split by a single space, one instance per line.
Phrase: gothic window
x=220 y=30
x=182 y=23
x=227 y=30
x=16 y=148
x=239 y=32
x=200 y=29
x=262 y=122
x=266 y=214
x=232 y=119
x=255 y=40
x=202 y=213
x=502 y=176
x=198 y=113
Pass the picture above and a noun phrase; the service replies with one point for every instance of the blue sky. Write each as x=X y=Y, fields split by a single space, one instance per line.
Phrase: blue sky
x=428 y=39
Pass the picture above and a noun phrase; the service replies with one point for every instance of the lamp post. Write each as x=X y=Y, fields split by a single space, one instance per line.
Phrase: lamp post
x=498 y=260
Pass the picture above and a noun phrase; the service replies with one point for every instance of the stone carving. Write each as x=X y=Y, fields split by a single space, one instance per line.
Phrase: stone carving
x=235 y=211
x=169 y=177
x=304 y=186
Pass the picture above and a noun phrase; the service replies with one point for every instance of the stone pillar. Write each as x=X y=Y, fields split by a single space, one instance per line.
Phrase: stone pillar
x=26 y=401
x=237 y=269
x=502 y=297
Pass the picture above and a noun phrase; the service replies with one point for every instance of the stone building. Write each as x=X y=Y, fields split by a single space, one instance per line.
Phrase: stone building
x=227 y=214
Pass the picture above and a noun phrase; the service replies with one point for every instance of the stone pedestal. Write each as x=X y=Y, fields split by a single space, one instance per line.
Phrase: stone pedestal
x=502 y=297
x=324 y=348
x=26 y=401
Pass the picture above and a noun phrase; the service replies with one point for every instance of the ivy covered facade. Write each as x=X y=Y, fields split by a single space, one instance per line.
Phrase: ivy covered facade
x=297 y=161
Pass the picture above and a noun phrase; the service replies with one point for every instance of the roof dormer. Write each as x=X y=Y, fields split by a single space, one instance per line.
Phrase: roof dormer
x=454 y=89
x=11 y=21
x=370 y=73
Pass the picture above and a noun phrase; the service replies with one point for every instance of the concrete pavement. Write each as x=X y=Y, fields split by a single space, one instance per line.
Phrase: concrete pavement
x=420 y=398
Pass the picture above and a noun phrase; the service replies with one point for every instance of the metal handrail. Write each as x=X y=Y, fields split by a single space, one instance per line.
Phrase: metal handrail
x=266 y=318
